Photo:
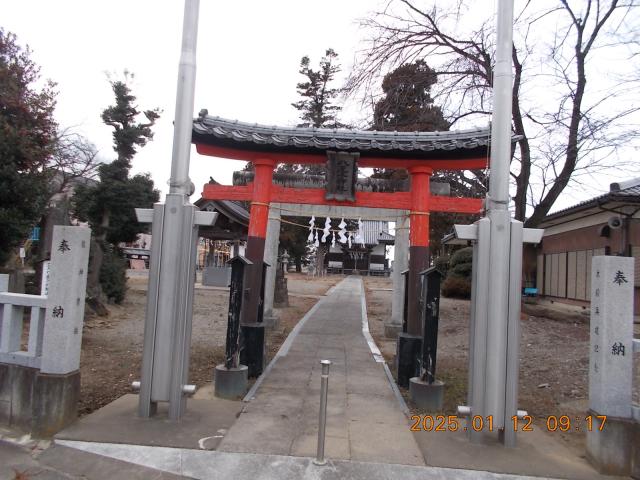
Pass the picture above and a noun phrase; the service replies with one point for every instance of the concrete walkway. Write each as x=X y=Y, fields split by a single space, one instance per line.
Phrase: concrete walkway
x=159 y=463
x=364 y=417
x=275 y=435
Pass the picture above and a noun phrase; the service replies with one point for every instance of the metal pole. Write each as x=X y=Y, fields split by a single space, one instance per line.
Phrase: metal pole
x=179 y=182
x=322 y=423
x=498 y=198
x=167 y=337
x=498 y=213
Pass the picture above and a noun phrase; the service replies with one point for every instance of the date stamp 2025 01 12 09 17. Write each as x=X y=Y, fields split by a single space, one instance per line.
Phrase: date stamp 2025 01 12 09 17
x=553 y=423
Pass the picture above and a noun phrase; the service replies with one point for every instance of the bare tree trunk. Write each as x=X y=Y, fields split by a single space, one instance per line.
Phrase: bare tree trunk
x=522 y=180
x=573 y=147
x=96 y=257
x=320 y=254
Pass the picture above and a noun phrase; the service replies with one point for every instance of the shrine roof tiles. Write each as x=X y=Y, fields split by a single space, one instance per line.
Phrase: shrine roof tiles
x=234 y=134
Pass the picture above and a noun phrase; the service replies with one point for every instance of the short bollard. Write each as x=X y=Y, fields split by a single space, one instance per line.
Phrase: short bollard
x=324 y=386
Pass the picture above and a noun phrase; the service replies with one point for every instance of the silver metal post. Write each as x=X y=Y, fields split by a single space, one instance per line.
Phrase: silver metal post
x=322 y=423
x=497 y=265
x=498 y=198
x=167 y=337
x=498 y=213
x=179 y=182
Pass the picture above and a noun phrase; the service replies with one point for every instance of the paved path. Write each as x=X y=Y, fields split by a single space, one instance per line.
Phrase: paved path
x=206 y=465
x=364 y=418
x=271 y=439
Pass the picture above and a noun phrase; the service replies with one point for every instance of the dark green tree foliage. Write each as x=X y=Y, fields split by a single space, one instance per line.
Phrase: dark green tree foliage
x=128 y=132
x=458 y=281
x=27 y=137
x=317 y=107
x=109 y=205
x=407 y=105
x=113 y=275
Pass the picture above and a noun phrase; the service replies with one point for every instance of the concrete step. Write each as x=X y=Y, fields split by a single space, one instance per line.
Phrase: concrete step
x=77 y=463
x=204 y=464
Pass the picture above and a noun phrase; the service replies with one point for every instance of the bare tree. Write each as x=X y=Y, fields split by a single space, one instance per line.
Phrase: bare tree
x=73 y=161
x=74 y=158
x=565 y=129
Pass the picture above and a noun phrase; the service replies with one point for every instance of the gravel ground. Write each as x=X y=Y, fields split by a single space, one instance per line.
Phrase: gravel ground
x=112 y=345
x=553 y=365
x=554 y=358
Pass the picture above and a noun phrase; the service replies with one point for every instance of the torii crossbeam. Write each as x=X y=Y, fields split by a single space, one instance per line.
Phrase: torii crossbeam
x=343 y=151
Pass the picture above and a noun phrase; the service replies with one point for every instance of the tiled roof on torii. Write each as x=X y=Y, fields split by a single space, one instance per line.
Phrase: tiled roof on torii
x=460 y=144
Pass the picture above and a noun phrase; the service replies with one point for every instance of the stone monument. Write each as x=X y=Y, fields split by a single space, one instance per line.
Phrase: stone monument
x=610 y=442
x=40 y=381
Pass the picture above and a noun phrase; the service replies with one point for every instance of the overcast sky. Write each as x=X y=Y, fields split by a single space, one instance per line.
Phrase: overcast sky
x=248 y=59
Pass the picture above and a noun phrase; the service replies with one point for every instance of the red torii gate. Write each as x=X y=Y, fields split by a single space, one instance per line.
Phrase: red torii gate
x=421 y=153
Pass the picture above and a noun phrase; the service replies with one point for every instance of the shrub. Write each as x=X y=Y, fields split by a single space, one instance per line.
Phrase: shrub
x=442 y=264
x=113 y=276
x=456 y=287
x=462 y=256
x=458 y=281
x=462 y=270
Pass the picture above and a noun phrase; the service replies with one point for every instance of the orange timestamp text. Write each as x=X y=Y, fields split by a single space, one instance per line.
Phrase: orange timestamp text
x=477 y=423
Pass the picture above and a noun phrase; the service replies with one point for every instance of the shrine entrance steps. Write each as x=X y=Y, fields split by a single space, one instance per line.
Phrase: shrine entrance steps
x=365 y=421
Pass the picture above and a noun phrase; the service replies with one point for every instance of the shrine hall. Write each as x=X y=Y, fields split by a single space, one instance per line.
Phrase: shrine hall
x=343 y=152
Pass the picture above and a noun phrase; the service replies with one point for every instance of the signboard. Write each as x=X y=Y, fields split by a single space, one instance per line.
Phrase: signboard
x=342 y=173
x=44 y=284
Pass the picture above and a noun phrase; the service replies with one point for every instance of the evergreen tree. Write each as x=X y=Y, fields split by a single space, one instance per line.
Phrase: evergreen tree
x=109 y=205
x=407 y=106
x=317 y=107
x=27 y=139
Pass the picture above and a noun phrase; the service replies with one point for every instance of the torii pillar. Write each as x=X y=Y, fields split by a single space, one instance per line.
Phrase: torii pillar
x=252 y=352
x=410 y=341
x=393 y=325
x=271 y=258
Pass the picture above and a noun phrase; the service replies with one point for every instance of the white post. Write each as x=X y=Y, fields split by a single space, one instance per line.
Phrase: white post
x=65 y=302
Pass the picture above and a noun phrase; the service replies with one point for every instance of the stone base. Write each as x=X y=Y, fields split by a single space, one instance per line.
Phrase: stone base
x=427 y=396
x=271 y=321
x=230 y=383
x=392 y=330
x=37 y=403
x=253 y=353
x=408 y=349
x=616 y=449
